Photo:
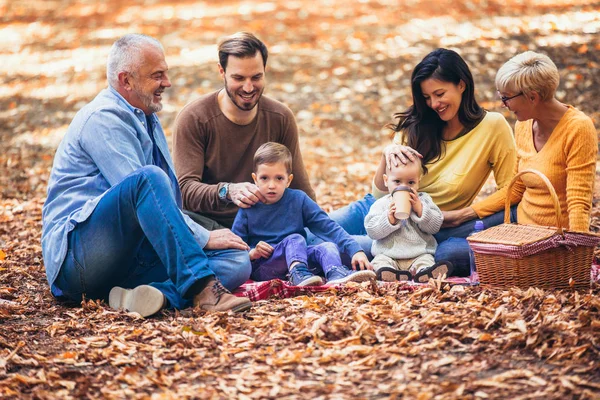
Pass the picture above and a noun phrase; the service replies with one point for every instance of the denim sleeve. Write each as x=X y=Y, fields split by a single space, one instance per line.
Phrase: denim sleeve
x=327 y=229
x=110 y=139
x=108 y=136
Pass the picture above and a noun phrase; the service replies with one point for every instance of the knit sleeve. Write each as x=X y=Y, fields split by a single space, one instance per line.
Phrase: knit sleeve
x=240 y=225
x=580 y=149
x=496 y=201
x=377 y=224
x=327 y=229
x=431 y=218
x=503 y=154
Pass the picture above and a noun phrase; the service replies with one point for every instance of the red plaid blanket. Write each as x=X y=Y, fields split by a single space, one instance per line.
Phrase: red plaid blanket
x=281 y=289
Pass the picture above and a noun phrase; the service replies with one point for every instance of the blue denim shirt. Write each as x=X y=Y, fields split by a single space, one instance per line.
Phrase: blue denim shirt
x=106 y=141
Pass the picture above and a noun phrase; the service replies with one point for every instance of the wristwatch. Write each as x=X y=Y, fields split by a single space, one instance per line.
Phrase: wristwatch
x=223 y=193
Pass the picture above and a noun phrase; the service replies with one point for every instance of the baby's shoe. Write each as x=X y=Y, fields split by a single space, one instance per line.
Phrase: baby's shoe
x=389 y=274
x=301 y=276
x=434 y=271
x=343 y=274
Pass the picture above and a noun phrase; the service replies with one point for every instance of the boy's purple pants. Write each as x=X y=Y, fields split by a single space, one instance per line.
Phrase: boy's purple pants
x=319 y=258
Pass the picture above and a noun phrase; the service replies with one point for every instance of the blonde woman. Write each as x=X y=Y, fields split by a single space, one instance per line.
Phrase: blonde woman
x=553 y=138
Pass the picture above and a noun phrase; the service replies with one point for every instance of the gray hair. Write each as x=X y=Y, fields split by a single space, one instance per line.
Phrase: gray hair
x=126 y=55
x=529 y=72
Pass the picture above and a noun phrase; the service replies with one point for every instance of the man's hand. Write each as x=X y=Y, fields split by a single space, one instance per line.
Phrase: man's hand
x=262 y=249
x=245 y=194
x=225 y=239
x=360 y=261
x=415 y=201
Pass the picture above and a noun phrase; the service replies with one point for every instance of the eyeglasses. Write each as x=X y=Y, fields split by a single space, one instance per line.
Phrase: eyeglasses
x=505 y=99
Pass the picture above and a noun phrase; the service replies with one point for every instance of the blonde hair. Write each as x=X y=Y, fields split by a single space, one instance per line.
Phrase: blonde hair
x=271 y=153
x=529 y=72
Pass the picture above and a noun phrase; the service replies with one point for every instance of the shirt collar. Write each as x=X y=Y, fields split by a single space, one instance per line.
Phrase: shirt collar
x=131 y=108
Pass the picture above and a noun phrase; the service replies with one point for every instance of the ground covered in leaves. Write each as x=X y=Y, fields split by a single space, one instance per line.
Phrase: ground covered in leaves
x=344 y=69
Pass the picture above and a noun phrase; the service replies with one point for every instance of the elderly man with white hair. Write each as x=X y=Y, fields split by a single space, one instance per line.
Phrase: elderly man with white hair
x=112 y=222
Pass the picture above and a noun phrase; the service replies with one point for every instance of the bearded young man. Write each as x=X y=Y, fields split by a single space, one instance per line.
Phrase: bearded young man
x=217 y=135
x=112 y=224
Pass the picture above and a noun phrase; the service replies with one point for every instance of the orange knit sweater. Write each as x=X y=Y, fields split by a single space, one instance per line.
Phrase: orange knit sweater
x=568 y=159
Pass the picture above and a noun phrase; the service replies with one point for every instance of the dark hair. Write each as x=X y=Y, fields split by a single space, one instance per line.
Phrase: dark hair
x=422 y=125
x=242 y=45
x=271 y=153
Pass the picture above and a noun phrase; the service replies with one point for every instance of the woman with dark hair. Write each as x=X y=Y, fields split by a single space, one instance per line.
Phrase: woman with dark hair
x=460 y=145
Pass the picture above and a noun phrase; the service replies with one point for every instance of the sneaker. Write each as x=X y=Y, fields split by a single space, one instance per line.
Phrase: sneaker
x=215 y=297
x=434 y=271
x=338 y=275
x=145 y=300
x=301 y=276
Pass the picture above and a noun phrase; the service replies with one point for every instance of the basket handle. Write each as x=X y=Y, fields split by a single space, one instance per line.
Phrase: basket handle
x=550 y=188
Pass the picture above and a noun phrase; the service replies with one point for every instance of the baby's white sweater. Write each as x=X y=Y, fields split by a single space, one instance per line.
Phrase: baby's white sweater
x=408 y=239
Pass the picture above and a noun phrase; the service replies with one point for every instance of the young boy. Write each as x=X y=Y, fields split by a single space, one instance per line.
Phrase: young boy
x=274 y=230
x=404 y=249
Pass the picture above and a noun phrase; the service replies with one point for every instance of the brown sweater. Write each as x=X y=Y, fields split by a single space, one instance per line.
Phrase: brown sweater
x=210 y=150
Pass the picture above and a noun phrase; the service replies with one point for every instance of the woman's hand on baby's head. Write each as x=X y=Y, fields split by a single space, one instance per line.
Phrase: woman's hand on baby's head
x=396 y=152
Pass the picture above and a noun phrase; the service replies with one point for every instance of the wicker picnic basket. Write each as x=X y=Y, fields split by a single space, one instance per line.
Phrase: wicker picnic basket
x=529 y=255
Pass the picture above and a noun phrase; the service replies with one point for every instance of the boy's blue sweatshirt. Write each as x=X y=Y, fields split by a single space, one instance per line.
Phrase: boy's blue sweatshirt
x=295 y=211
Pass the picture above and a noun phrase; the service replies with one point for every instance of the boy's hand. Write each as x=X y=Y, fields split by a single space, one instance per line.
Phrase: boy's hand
x=391 y=213
x=360 y=261
x=262 y=249
x=415 y=201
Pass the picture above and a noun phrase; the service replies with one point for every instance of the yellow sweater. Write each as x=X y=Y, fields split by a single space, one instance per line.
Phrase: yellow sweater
x=568 y=159
x=454 y=181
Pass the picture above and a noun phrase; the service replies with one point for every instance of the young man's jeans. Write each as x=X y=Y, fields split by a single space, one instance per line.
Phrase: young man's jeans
x=319 y=258
x=452 y=243
x=137 y=235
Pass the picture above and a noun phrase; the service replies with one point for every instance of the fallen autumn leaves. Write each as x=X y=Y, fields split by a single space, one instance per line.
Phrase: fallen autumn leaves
x=363 y=341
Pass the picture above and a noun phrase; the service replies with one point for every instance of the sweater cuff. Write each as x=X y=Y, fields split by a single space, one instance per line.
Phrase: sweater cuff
x=353 y=248
x=479 y=211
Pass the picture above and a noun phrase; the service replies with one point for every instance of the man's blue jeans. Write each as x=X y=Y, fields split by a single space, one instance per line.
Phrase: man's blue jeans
x=452 y=243
x=319 y=258
x=137 y=235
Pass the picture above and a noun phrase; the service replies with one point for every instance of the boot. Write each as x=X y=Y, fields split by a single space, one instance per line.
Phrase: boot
x=215 y=297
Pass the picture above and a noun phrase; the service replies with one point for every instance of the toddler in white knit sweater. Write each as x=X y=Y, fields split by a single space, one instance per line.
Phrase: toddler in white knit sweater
x=404 y=249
